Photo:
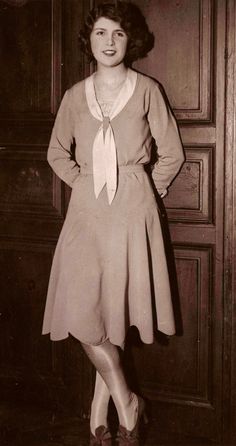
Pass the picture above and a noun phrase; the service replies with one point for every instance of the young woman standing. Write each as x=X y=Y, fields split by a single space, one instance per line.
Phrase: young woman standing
x=110 y=262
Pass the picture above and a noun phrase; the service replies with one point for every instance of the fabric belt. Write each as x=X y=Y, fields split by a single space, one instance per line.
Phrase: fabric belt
x=130 y=168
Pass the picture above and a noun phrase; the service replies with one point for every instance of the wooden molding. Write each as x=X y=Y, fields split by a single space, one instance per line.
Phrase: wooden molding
x=190 y=380
x=185 y=69
x=190 y=198
x=31 y=173
x=229 y=292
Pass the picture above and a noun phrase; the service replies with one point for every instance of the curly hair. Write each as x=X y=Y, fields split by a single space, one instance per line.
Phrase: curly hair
x=131 y=20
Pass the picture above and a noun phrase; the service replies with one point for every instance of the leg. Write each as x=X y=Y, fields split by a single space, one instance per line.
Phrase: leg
x=106 y=359
x=100 y=403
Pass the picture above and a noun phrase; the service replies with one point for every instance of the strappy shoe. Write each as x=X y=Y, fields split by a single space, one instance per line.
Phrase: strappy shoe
x=132 y=438
x=102 y=437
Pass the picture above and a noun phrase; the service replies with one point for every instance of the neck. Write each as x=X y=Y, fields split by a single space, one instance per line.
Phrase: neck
x=111 y=75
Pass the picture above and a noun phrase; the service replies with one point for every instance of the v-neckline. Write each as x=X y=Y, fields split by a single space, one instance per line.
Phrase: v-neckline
x=130 y=85
x=116 y=97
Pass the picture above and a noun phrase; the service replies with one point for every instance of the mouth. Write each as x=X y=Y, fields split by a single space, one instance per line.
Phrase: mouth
x=109 y=52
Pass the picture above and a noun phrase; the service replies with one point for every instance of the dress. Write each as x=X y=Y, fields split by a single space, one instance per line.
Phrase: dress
x=109 y=270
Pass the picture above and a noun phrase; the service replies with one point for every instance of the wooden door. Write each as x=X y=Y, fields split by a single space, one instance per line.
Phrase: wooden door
x=36 y=48
x=185 y=377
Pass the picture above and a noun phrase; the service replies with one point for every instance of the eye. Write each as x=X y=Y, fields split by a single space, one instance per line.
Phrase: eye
x=99 y=33
x=120 y=34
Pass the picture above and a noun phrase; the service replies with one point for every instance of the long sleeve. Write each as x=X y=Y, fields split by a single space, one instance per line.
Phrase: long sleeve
x=59 y=151
x=169 y=147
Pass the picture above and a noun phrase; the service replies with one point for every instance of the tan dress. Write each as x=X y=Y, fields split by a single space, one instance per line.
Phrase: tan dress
x=109 y=265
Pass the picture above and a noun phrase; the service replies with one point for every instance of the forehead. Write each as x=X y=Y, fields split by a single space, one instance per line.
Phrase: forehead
x=105 y=23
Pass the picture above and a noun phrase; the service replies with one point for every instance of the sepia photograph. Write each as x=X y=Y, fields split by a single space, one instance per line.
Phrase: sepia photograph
x=118 y=222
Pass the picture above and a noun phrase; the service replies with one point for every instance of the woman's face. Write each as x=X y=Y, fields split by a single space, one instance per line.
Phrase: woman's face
x=108 y=42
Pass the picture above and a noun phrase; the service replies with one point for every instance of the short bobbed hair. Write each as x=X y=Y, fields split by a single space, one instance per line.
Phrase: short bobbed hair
x=131 y=20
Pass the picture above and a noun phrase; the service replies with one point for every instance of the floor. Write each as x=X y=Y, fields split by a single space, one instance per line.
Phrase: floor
x=30 y=426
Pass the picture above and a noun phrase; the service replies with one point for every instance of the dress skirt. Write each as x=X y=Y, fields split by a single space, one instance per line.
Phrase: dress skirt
x=109 y=270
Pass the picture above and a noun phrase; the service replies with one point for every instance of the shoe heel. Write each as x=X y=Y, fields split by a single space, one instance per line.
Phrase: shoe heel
x=132 y=438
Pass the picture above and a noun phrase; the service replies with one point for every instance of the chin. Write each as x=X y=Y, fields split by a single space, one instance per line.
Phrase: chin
x=111 y=63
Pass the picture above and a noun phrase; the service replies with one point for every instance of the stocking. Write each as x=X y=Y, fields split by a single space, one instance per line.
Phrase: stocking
x=106 y=359
x=100 y=403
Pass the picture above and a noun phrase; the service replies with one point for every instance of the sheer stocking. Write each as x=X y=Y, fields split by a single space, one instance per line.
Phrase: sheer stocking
x=100 y=403
x=106 y=359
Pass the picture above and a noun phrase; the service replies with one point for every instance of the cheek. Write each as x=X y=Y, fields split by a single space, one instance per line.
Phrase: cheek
x=120 y=45
x=93 y=44
x=124 y=50
x=124 y=46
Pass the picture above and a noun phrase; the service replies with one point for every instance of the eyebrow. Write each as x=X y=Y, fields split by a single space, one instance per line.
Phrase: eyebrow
x=105 y=29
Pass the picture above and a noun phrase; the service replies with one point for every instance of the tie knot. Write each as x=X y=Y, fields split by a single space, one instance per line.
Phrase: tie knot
x=106 y=122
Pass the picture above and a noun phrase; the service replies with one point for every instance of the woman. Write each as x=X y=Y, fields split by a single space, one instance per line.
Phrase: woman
x=109 y=262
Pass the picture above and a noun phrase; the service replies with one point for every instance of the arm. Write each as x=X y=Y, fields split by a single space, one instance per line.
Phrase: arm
x=59 y=150
x=169 y=147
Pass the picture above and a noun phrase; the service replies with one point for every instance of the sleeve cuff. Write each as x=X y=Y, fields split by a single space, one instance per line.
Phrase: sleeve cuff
x=164 y=193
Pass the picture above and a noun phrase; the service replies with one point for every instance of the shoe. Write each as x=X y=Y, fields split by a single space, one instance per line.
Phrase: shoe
x=102 y=437
x=131 y=438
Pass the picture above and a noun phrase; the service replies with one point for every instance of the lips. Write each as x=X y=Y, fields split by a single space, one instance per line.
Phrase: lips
x=109 y=52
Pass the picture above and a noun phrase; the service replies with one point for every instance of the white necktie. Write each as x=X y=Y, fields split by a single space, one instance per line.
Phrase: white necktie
x=104 y=148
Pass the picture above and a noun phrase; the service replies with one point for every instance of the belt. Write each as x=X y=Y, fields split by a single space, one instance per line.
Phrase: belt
x=130 y=168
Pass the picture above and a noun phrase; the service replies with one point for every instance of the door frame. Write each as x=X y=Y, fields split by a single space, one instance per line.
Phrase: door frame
x=229 y=295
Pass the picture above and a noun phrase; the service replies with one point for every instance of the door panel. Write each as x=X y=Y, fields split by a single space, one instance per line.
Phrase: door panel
x=27 y=57
x=189 y=199
x=182 y=58
x=33 y=200
x=182 y=377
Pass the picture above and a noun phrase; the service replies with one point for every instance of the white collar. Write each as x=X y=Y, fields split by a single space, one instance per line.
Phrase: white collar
x=104 y=148
x=123 y=97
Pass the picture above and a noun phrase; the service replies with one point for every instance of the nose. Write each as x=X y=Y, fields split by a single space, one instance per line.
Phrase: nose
x=110 y=40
